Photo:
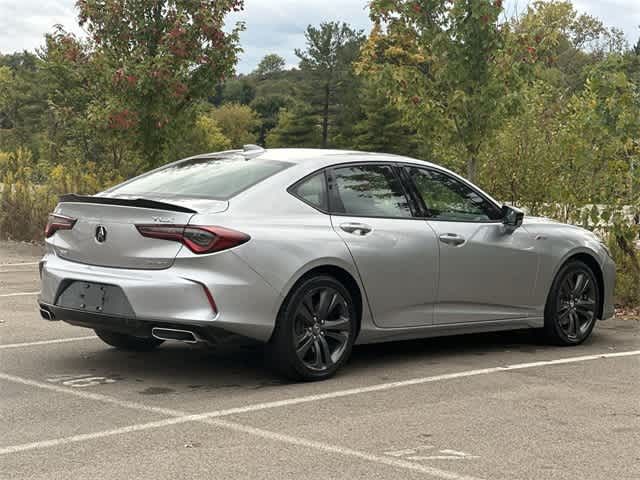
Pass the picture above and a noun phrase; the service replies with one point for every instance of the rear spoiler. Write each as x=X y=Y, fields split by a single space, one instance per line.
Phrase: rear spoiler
x=136 y=202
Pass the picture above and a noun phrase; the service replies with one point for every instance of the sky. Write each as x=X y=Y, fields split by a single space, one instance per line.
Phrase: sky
x=273 y=26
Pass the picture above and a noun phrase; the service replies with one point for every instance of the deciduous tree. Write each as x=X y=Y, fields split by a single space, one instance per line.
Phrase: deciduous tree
x=156 y=58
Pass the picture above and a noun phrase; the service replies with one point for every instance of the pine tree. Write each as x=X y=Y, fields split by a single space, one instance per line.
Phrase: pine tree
x=382 y=128
x=297 y=127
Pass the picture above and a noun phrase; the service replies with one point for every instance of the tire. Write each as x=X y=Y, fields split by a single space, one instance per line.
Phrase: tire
x=315 y=330
x=572 y=305
x=122 y=341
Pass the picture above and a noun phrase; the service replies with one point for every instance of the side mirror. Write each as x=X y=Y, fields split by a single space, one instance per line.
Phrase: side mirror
x=512 y=217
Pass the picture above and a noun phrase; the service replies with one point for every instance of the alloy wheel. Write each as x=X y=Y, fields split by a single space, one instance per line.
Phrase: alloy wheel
x=322 y=328
x=577 y=303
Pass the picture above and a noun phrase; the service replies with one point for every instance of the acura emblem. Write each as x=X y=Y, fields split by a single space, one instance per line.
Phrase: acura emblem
x=101 y=234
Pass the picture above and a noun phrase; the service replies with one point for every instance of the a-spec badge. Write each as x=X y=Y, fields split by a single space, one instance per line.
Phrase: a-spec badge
x=162 y=219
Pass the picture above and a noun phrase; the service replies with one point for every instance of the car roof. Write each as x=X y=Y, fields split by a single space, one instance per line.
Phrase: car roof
x=319 y=156
x=303 y=155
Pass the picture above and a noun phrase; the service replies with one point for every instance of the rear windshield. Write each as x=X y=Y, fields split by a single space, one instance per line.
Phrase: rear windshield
x=216 y=178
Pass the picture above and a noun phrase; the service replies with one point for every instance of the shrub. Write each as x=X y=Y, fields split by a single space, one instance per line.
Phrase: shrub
x=25 y=201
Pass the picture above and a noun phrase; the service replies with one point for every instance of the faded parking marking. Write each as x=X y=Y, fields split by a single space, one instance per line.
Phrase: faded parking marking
x=444 y=454
x=80 y=381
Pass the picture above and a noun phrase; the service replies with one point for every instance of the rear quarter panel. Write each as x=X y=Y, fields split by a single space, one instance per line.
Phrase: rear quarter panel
x=288 y=239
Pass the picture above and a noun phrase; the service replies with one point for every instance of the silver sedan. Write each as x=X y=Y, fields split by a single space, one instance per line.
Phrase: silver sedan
x=311 y=252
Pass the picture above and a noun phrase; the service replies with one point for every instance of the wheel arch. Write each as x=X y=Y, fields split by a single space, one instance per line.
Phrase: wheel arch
x=348 y=279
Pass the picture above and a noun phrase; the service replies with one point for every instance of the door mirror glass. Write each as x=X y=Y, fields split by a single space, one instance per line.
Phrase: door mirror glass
x=512 y=217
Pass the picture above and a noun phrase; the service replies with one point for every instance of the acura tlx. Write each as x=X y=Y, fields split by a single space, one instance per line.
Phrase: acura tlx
x=311 y=252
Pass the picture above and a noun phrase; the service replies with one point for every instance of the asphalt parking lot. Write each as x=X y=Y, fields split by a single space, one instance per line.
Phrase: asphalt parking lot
x=497 y=406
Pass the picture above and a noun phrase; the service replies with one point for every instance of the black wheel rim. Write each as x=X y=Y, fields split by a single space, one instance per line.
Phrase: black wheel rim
x=577 y=304
x=322 y=328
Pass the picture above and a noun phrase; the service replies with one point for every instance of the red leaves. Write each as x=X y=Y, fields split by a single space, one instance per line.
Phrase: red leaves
x=176 y=32
x=497 y=4
x=416 y=100
x=120 y=77
x=180 y=90
x=123 y=120
x=416 y=8
x=178 y=50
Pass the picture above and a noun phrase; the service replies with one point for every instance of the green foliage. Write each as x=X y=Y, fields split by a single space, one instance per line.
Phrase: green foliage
x=442 y=63
x=153 y=60
x=327 y=63
x=297 y=127
x=30 y=192
x=382 y=128
x=238 y=90
x=270 y=65
x=200 y=134
x=238 y=123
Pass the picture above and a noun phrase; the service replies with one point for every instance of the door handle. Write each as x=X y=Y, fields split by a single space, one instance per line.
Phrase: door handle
x=452 y=239
x=356 y=228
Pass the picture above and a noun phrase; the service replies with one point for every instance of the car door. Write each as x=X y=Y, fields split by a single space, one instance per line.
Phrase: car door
x=487 y=271
x=396 y=256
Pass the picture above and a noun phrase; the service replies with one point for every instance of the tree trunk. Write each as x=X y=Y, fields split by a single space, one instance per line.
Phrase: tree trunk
x=325 y=116
x=472 y=165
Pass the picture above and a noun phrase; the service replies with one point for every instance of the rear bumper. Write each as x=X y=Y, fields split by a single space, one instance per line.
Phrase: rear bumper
x=246 y=304
x=129 y=326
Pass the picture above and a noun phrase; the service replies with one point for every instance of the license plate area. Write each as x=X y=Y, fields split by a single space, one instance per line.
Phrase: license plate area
x=95 y=298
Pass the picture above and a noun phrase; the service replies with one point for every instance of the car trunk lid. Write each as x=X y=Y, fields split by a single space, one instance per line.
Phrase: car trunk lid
x=105 y=232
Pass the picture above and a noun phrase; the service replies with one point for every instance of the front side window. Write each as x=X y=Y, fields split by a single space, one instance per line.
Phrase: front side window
x=451 y=200
x=218 y=178
x=368 y=191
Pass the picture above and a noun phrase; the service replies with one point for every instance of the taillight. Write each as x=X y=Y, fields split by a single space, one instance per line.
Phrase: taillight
x=58 y=222
x=199 y=239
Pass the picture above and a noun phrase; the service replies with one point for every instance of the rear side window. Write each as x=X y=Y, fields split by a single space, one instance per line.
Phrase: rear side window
x=313 y=191
x=219 y=178
x=368 y=191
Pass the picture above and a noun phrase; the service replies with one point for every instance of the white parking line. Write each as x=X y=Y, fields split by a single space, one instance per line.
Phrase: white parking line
x=19 y=294
x=18 y=264
x=348 y=452
x=47 y=342
x=182 y=417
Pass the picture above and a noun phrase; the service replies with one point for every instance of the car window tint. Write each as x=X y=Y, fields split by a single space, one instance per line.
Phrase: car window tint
x=218 y=178
x=312 y=190
x=449 y=199
x=370 y=191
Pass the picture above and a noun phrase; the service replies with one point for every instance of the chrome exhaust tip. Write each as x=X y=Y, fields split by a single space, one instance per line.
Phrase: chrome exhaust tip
x=185 y=336
x=47 y=315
